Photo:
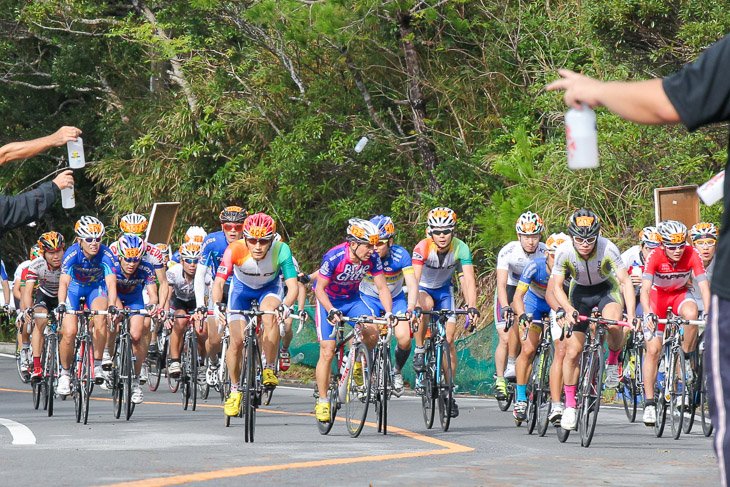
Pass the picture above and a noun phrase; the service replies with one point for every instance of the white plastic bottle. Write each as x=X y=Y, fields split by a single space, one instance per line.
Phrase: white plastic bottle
x=713 y=190
x=68 y=199
x=581 y=138
x=76 y=159
x=361 y=144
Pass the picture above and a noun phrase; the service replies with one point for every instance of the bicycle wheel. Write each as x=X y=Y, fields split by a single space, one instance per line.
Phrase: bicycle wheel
x=116 y=381
x=627 y=387
x=678 y=392
x=24 y=376
x=76 y=383
x=533 y=390
x=428 y=398
x=325 y=426
x=705 y=405
x=661 y=411
x=692 y=384
x=37 y=393
x=51 y=372
x=87 y=382
x=445 y=387
x=172 y=382
x=590 y=394
x=253 y=369
x=224 y=379
x=127 y=376
x=386 y=386
x=504 y=402
x=543 y=404
x=357 y=394
x=155 y=364
x=194 y=364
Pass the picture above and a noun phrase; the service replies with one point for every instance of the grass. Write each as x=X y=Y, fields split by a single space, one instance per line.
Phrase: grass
x=299 y=373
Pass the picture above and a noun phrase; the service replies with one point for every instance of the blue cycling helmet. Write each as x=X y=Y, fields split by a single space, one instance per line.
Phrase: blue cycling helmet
x=131 y=247
x=385 y=225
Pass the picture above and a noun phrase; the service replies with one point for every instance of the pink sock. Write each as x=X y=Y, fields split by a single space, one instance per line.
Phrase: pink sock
x=570 y=396
x=613 y=357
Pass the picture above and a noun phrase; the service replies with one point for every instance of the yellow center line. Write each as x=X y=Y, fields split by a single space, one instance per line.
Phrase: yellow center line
x=447 y=448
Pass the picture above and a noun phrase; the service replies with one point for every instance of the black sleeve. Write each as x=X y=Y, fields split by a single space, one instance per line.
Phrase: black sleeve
x=18 y=210
x=700 y=92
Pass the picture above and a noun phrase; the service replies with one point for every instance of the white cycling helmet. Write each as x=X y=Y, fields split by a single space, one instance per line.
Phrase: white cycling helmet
x=554 y=241
x=529 y=223
x=672 y=232
x=89 y=227
x=195 y=235
x=133 y=224
x=650 y=237
x=131 y=247
x=190 y=250
x=703 y=230
x=362 y=231
x=441 y=217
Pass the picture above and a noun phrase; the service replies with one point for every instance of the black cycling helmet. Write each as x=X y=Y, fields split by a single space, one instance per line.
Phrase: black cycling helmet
x=233 y=214
x=584 y=224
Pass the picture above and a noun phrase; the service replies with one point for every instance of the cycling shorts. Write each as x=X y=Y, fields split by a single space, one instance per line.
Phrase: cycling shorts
x=498 y=321
x=400 y=304
x=76 y=292
x=443 y=298
x=187 y=306
x=535 y=305
x=132 y=300
x=660 y=301
x=352 y=307
x=585 y=298
x=42 y=300
x=240 y=296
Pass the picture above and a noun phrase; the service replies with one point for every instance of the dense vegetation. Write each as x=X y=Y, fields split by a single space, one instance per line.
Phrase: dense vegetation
x=261 y=103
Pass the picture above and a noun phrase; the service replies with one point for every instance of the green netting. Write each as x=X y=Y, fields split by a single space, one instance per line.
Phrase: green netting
x=475 y=352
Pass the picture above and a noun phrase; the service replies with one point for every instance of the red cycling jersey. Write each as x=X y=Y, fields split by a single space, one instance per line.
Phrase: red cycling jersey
x=667 y=276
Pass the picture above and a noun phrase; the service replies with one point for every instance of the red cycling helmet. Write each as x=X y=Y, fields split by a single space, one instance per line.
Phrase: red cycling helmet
x=259 y=225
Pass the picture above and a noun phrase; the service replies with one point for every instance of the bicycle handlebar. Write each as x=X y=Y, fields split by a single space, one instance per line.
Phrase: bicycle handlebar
x=681 y=321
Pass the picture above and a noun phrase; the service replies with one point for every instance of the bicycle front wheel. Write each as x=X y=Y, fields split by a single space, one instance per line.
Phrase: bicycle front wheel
x=251 y=386
x=445 y=387
x=116 y=381
x=627 y=386
x=24 y=376
x=692 y=384
x=51 y=373
x=194 y=364
x=543 y=403
x=86 y=381
x=357 y=394
x=678 y=400
x=127 y=375
x=590 y=396
x=428 y=397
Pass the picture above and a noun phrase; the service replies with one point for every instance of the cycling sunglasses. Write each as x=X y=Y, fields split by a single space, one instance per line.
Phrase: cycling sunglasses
x=131 y=259
x=675 y=247
x=262 y=241
x=236 y=227
x=588 y=241
x=707 y=242
x=441 y=232
x=190 y=261
x=92 y=239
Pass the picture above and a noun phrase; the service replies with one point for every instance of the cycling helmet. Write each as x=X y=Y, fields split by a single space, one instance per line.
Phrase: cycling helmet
x=385 y=225
x=703 y=230
x=35 y=252
x=131 y=247
x=649 y=236
x=672 y=232
x=190 y=250
x=259 y=225
x=554 y=241
x=529 y=223
x=195 y=234
x=88 y=226
x=164 y=249
x=51 y=242
x=362 y=231
x=441 y=217
x=584 y=224
x=133 y=224
x=233 y=214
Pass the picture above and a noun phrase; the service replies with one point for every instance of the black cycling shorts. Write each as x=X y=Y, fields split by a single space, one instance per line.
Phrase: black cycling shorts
x=187 y=306
x=41 y=299
x=585 y=298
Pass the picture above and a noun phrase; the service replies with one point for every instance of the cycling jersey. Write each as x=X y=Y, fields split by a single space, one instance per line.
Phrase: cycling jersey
x=596 y=269
x=40 y=274
x=86 y=272
x=668 y=276
x=256 y=274
x=3 y=272
x=534 y=278
x=513 y=258
x=142 y=277
x=344 y=275
x=211 y=253
x=152 y=254
x=395 y=266
x=438 y=268
x=696 y=293
x=19 y=275
x=633 y=257
x=183 y=289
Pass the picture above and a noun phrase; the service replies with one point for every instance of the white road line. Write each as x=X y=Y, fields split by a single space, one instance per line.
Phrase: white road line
x=22 y=435
x=7 y=355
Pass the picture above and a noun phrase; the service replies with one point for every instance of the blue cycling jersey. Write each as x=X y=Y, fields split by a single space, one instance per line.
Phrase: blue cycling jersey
x=534 y=278
x=3 y=272
x=88 y=272
x=214 y=246
x=176 y=257
x=140 y=278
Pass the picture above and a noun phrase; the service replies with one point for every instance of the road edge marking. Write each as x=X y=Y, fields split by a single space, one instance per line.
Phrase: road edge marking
x=21 y=434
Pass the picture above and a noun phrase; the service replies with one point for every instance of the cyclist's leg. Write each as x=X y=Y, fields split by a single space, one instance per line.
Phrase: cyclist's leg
x=425 y=301
x=556 y=368
x=402 y=333
x=688 y=310
x=513 y=339
x=140 y=339
x=270 y=298
x=651 y=359
x=97 y=298
x=215 y=340
x=42 y=305
x=326 y=350
x=69 y=327
x=500 y=353
x=444 y=299
x=179 y=323
x=237 y=300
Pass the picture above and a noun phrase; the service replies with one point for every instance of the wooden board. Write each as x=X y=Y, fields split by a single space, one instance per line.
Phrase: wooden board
x=679 y=203
x=162 y=221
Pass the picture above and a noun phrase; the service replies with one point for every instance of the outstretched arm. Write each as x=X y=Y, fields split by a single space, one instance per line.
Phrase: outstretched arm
x=29 y=148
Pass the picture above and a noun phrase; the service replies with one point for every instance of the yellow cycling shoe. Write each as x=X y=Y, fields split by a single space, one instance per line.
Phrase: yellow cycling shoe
x=270 y=379
x=233 y=404
x=357 y=373
x=322 y=412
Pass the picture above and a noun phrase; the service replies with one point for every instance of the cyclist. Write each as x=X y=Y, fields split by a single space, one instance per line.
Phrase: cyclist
x=599 y=280
x=87 y=271
x=435 y=259
x=665 y=284
x=337 y=292
x=214 y=245
x=511 y=261
x=255 y=264
x=193 y=234
x=398 y=270
x=42 y=276
x=529 y=303
x=182 y=300
x=704 y=239
x=635 y=257
x=166 y=255
x=133 y=276
x=20 y=274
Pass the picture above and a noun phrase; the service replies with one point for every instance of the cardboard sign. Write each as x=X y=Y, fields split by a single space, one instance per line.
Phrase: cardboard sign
x=679 y=203
x=162 y=221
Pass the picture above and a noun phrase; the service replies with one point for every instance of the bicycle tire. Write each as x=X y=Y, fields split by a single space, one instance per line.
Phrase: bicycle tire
x=532 y=390
x=592 y=389
x=194 y=370
x=504 y=402
x=24 y=376
x=357 y=396
x=173 y=383
x=693 y=391
x=115 y=380
x=37 y=393
x=52 y=372
x=627 y=386
x=661 y=412
x=184 y=379
x=154 y=368
x=445 y=387
x=544 y=404
x=87 y=382
x=707 y=425
x=253 y=365
x=326 y=426
x=128 y=375
x=76 y=370
x=224 y=379
x=678 y=392
x=386 y=387
x=375 y=386
x=428 y=397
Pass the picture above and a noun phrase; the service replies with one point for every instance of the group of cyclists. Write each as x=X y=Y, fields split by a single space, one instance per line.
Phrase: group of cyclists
x=573 y=275
x=213 y=279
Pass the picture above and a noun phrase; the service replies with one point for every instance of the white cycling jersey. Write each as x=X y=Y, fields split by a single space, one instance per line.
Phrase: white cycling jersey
x=152 y=254
x=46 y=278
x=182 y=288
x=513 y=259
x=632 y=258
x=602 y=264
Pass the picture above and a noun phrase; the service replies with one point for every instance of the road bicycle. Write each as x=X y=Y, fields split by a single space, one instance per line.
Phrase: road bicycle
x=504 y=401
x=123 y=374
x=538 y=384
x=382 y=373
x=157 y=360
x=631 y=386
x=44 y=386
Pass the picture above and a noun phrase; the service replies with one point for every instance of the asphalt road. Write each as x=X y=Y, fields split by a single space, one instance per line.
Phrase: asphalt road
x=164 y=445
